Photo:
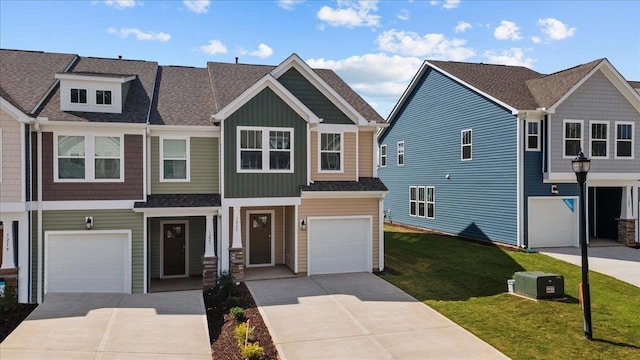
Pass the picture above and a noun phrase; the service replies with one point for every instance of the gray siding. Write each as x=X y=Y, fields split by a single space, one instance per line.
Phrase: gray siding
x=479 y=198
x=197 y=232
x=265 y=109
x=596 y=99
x=312 y=98
x=204 y=168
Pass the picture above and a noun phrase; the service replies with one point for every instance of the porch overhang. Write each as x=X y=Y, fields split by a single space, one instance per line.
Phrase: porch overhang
x=179 y=205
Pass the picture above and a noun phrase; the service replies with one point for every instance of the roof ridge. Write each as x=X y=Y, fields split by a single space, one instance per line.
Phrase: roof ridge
x=116 y=59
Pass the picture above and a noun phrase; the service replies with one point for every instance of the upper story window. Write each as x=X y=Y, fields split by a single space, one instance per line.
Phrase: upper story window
x=599 y=139
x=421 y=201
x=103 y=97
x=572 y=138
x=331 y=152
x=533 y=135
x=400 y=153
x=413 y=201
x=383 y=155
x=431 y=202
x=89 y=158
x=174 y=159
x=78 y=96
x=265 y=149
x=624 y=140
x=466 y=143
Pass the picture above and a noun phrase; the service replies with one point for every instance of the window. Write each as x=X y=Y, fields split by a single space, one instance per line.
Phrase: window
x=330 y=152
x=103 y=97
x=465 y=144
x=533 y=135
x=79 y=96
x=400 y=153
x=265 y=149
x=107 y=157
x=624 y=140
x=71 y=157
x=174 y=162
x=413 y=201
x=599 y=139
x=88 y=158
x=421 y=202
x=383 y=155
x=431 y=202
x=572 y=138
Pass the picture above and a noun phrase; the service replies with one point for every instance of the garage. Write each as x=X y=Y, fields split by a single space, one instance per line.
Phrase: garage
x=553 y=221
x=339 y=245
x=88 y=261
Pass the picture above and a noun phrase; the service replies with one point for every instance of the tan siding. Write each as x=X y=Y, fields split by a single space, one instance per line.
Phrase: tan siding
x=278 y=223
x=337 y=207
x=365 y=154
x=289 y=237
x=349 y=173
x=11 y=155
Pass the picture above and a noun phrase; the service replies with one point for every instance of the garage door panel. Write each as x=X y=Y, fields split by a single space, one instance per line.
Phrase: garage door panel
x=553 y=222
x=339 y=245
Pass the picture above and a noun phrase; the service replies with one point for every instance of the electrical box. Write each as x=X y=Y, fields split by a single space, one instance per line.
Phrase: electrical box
x=539 y=285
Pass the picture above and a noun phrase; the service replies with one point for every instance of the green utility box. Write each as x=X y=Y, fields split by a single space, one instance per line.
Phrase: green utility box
x=539 y=285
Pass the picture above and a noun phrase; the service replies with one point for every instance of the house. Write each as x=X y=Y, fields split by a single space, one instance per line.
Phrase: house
x=135 y=173
x=484 y=151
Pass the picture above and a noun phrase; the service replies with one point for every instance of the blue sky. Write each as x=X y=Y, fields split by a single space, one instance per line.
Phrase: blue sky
x=376 y=46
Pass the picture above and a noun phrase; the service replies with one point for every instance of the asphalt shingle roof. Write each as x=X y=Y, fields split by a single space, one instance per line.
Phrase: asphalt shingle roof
x=363 y=184
x=179 y=200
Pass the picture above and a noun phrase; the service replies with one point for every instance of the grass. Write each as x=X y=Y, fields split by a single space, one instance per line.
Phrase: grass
x=467 y=283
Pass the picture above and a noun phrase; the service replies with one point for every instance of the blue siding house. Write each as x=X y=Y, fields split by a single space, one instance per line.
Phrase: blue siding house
x=484 y=151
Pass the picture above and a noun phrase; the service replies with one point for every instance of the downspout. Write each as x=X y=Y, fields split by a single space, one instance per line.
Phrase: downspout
x=519 y=179
x=147 y=186
x=39 y=191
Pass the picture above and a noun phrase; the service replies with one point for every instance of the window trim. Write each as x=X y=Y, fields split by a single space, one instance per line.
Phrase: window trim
x=161 y=159
x=383 y=157
x=564 y=137
x=341 y=171
x=527 y=135
x=398 y=153
x=615 y=154
x=591 y=139
x=110 y=98
x=432 y=202
x=89 y=158
x=86 y=96
x=462 y=145
x=415 y=188
x=265 y=150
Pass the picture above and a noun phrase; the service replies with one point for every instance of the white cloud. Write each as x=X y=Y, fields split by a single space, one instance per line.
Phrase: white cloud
x=513 y=56
x=555 y=29
x=289 y=4
x=462 y=26
x=536 y=40
x=197 y=6
x=448 y=4
x=507 y=31
x=431 y=45
x=140 y=35
x=403 y=15
x=121 y=4
x=350 y=14
x=264 y=51
x=214 y=47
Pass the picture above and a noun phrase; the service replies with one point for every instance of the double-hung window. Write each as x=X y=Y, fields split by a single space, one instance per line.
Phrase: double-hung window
x=466 y=143
x=533 y=135
x=431 y=202
x=279 y=150
x=265 y=149
x=78 y=96
x=331 y=152
x=599 y=139
x=383 y=155
x=107 y=157
x=71 y=157
x=572 y=138
x=103 y=97
x=413 y=201
x=174 y=159
x=400 y=153
x=421 y=201
x=624 y=140
x=89 y=158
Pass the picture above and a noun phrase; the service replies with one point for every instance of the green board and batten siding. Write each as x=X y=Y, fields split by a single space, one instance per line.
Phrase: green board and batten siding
x=73 y=220
x=204 y=169
x=268 y=110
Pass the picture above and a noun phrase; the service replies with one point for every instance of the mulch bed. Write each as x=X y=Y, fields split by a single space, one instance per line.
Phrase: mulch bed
x=222 y=325
x=10 y=319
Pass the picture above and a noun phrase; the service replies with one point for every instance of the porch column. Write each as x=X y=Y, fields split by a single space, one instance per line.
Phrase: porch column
x=627 y=222
x=209 y=260
x=209 y=245
x=237 y=233
x=7 y=246
x=236 y=253
x=223 y=239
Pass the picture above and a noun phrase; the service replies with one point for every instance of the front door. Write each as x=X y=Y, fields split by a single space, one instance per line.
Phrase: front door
x=259 y=239
x=604 y=208
x=174 y=249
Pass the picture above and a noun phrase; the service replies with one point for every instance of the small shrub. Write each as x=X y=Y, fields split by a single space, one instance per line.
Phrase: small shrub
x=240 y=334
x=253 y=351
x=226 y=283
x=232 y=301
x=237 y=312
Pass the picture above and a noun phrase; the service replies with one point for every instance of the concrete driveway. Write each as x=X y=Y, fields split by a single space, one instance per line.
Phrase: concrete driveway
x=169 y=325
x=358 y=316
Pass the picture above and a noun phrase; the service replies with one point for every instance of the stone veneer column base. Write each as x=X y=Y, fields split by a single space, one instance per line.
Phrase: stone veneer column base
x=627 y=232
x=10 y=277
x=237 y=263
x=209 y=272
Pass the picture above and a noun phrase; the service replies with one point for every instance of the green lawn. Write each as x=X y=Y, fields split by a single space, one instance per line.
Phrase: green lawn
x=467 y=283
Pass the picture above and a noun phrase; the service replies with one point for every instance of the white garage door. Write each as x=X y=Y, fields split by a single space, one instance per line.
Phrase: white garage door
x=88 y=262
x=339 y=245
x=553 y=222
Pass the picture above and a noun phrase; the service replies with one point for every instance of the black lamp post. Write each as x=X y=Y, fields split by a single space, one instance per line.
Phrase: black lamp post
x=581 y=166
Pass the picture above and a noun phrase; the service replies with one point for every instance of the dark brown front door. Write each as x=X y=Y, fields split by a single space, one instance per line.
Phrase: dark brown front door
x=259 y=239
x=174 y=249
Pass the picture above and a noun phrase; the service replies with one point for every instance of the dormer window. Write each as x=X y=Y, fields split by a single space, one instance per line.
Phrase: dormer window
x=78 y=96
x=94 y=92
x=103 y=97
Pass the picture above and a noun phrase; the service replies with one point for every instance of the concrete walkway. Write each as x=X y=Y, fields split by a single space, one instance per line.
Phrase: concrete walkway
x=171 y=325
x=620 y=262
x=358 y=316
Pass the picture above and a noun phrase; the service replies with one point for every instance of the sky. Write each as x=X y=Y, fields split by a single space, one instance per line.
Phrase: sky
x=375 y=46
